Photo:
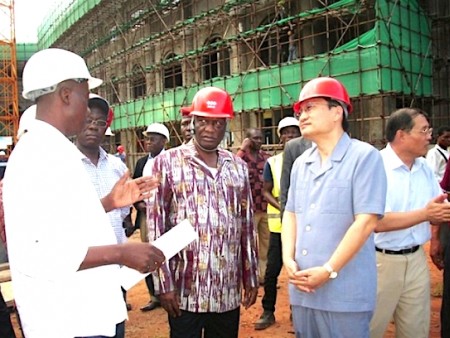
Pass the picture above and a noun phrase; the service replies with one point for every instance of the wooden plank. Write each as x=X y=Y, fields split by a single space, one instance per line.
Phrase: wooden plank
x=5 y=276
x=4 y=266
x=7 y=292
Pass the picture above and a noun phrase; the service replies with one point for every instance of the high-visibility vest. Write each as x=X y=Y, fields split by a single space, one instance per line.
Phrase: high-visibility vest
x=273 y=214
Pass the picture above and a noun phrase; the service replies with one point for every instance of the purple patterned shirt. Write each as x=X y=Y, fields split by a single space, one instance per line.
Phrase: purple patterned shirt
x=255 y=173
x=210 y=272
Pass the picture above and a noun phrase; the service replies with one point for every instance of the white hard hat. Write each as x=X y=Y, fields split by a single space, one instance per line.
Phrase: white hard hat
x=28 y=116
x=49 y=67
x=109 y=132
x=157 y=128
x=287 y=122
x=105 y=103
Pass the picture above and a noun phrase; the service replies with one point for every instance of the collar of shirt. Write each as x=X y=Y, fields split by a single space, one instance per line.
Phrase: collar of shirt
x=150 y=157
x=102 y=156
x=190 y=152
x=338 y=152
x=437 y=146
x=392 y=161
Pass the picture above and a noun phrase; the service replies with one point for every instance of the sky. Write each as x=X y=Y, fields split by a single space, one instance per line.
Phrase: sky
x=29 y=14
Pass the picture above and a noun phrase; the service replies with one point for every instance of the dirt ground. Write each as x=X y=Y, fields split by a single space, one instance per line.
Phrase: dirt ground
x=154 y=324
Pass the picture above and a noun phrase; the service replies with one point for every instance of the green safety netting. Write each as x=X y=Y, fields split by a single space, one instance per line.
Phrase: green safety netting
x=393 y=56
x=25 y=50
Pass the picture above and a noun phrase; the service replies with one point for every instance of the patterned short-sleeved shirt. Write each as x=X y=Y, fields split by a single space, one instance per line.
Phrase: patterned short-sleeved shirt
x=255 y=174
x=210 y=272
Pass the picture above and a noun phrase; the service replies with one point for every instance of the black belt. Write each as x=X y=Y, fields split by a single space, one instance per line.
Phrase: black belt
x=399 y=252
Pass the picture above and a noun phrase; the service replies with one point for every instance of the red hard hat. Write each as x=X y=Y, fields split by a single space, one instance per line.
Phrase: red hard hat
x=110 y=117
x=185 y=111
x=212 y=102
x=324 y=87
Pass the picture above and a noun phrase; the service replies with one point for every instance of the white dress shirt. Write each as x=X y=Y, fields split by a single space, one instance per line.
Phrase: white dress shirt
x=437 y=162
x=406 y=190
x=53 y=215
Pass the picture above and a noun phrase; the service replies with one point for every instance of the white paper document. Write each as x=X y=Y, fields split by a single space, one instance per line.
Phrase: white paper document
x=172 y=242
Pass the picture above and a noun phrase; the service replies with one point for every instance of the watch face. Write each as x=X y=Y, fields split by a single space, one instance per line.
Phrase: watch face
x=333 y=275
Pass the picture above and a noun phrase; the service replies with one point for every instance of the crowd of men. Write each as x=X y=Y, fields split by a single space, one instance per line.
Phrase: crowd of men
x=348 y=222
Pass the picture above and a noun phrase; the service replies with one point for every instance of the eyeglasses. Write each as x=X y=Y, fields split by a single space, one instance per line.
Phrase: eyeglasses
x=425 y=131
x=98 y=123
x=308 y=107
x=217 y=124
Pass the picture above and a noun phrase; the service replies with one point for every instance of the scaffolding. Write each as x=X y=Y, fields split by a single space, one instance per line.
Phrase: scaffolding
x=9 y=106
x=155 y=55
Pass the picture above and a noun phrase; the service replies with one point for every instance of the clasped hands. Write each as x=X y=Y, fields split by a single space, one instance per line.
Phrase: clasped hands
x=307 y=280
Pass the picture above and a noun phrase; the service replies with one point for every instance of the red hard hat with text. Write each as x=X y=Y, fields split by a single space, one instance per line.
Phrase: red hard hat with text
x=324 y=87
x=212 y=102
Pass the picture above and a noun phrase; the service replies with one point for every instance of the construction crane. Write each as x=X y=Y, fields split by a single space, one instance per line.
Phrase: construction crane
x=9 y=103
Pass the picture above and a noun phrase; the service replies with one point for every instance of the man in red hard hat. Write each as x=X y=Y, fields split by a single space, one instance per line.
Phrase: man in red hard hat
x=186 y=118
x=336 y=196
x=201 y=287
x=121 y=153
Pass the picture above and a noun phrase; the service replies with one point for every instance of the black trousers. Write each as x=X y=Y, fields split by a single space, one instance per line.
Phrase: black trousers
x=212 y=324
x=6 y=328
x=151 y=286
x=274 y=265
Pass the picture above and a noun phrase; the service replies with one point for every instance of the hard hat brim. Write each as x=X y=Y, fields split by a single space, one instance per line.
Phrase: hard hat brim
x=214 y=115
x=94 y=82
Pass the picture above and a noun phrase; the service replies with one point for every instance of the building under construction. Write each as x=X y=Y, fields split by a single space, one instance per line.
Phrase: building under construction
x=155 y=55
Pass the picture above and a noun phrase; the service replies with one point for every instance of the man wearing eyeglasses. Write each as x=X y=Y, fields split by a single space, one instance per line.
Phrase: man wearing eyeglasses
x=104 y=169
x=100 y=164
x=414 y=200
x=336 y=196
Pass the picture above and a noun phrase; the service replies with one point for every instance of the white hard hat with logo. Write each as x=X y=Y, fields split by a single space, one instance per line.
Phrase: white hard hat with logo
x=27 y=118
x=157 y=128
x=49 y=67
x=287 y=122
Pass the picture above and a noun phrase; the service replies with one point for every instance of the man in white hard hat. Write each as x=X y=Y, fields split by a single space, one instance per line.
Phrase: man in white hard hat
x=156 y=137
x=64 y=257
x=288 y=129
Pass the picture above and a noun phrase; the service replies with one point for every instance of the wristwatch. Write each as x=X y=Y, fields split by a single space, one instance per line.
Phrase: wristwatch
x=333 y=274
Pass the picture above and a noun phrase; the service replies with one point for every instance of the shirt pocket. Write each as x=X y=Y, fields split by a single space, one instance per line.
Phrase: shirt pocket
x=300 y=196
x=337 y=199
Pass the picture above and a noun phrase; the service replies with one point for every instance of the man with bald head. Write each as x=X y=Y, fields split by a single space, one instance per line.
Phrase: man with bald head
x=64 y=257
